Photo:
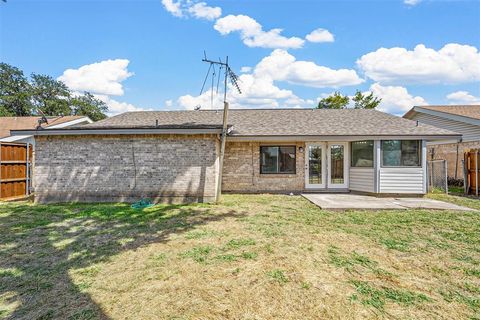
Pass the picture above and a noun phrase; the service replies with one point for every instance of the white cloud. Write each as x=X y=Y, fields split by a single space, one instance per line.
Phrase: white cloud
x=189 y=102
x=103 y=77
x=454 y=63
x=259 y=87
x=395 y=99
x=202 y=11
x=256 y=93
x=245 y=69
x=282 y=66
x=116 y=107
x=173 y=7
x=252 y=33
x=320 y=35
x=189 y=8
x=411 y=2
x=463 y=97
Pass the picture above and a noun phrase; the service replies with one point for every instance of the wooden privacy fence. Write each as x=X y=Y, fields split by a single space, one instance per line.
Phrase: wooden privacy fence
x=471 y=169
x=15 y=169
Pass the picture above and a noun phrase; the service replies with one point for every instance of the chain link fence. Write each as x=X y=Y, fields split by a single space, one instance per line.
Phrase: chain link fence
x=437 y=175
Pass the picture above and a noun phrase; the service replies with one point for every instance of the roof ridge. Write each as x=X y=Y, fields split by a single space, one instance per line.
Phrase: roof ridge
x=245 y=109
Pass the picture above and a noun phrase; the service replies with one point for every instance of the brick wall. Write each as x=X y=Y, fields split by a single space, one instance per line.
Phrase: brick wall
x=449 y=152
x=173 y=168
x=241 y=170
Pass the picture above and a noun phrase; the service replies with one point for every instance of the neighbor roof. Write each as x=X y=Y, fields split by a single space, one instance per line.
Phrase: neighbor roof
x=274 y=122
x=469 y=111
x=25 y=123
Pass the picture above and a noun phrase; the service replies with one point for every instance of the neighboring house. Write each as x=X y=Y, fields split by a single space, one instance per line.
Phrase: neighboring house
x=464 y=119
x=28 y=123
x=174 y=155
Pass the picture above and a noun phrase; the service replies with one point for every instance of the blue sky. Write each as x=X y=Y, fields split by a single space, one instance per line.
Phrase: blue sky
x=147 y=54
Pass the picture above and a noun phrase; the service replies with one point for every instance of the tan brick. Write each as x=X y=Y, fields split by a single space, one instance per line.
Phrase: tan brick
x=171 y=168
x=241 y=170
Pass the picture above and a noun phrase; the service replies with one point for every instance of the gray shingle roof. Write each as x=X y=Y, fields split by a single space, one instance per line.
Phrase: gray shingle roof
x=279 y=122
x=469 y=111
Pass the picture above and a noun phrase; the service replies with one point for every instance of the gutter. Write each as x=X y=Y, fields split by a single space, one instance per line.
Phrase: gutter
x=341 y=138
x=115 y=131
x=231 y=136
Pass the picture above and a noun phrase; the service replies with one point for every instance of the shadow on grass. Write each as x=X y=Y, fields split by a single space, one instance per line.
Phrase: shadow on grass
x=39 y=245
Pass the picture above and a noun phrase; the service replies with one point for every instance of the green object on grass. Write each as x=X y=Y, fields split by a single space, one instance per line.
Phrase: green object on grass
x=142 y=204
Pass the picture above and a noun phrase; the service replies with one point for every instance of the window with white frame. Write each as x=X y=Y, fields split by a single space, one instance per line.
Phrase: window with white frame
x=401 y=153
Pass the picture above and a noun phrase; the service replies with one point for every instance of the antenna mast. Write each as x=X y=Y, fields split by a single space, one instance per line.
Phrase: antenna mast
x=234 y=80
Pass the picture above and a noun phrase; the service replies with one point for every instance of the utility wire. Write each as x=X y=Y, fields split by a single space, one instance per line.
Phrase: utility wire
x=206 y=77
x=218 y=80
x=213 y=81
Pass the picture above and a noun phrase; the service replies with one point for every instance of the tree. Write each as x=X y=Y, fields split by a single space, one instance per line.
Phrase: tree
x=50 y=96
x=335 y=101
x=88 y=105
x=15 y=92
x=18 y=97
x=363 y=101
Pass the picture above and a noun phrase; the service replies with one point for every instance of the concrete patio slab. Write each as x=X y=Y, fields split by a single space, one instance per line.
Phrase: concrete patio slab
x=354 y=201
x=422 y=203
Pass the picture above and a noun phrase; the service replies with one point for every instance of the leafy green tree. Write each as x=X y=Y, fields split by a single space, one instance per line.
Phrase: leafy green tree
x=50 y=96
x=364 y=101
x=19 y=97
x=15 y=93
x=335 y=101
x=4 y=112
x=88 y=105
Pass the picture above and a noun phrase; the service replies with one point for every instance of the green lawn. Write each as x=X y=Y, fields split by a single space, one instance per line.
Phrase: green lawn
x=251 y=257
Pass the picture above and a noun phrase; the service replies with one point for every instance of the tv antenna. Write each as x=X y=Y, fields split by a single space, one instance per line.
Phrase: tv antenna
x=43 y=119
x=228 y=75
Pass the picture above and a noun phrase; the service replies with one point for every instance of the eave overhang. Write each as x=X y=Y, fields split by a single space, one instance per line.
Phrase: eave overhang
x=120 y=131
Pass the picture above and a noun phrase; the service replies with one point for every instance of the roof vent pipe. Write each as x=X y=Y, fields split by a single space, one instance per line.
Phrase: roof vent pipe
x=156 y=123
x=417 y=123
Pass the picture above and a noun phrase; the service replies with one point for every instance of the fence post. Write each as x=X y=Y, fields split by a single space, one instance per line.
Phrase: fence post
x=466 y=160
x=446 y=176
x=0 y=170
x=27 y=171
x=476 y=173
x=430 y=175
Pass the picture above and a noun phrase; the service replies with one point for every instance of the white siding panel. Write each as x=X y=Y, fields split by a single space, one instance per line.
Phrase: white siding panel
x=469 y=132
x=362 y=179
x=401 y=180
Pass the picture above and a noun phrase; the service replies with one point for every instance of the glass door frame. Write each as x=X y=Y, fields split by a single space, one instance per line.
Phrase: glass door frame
x=323 y=146
x=346 y=162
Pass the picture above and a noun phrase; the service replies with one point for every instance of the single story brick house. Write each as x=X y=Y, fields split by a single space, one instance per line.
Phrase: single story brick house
x=174 y=155
x=464 y=119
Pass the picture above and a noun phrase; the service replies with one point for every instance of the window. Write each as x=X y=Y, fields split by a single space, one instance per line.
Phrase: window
x=362 y=154
x=277 y=159
x=401 y=153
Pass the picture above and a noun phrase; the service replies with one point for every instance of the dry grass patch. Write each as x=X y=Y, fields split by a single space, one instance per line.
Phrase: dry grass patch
x=251 y=257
